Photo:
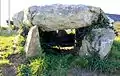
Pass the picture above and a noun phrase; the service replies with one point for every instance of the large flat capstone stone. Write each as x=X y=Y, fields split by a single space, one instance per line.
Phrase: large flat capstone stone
x=59 y=16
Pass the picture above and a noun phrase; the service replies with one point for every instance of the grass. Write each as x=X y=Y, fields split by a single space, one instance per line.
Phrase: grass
x=115 y=51
x=103 y=66
x=10 y=45
x=6 y=44
x=50 y=64
x=57 y=64
x=3 y=62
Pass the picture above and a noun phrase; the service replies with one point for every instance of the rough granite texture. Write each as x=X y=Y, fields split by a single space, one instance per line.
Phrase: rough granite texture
x=54 y=17
x=99 y=43
x=58 y=16
x=33 y=45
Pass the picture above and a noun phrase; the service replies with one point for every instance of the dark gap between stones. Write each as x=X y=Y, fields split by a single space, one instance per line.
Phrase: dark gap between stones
x=61 y=41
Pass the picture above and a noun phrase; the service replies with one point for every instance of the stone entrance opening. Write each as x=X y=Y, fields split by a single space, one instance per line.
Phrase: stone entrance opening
x=63 y=41
x=59 y=40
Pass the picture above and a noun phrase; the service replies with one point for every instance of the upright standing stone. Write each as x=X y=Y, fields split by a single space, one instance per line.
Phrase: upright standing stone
x=98 y=42
x=32 y=46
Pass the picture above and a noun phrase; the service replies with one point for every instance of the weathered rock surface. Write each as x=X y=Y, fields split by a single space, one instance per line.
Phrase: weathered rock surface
x=99 y=41
x=18 y=18
x=9 y=70
x=58 y=16
x=33 y=45
x=99 y=37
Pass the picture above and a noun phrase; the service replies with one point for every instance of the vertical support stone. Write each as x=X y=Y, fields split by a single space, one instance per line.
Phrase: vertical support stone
x=33 y=46
x=98 y=42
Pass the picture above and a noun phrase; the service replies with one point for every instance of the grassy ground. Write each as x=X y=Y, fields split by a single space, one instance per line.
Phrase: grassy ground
x=10 y=45
x=6 y=44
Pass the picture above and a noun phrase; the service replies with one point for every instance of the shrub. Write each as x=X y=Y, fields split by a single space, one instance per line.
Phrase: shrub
x=37 y=66
x=24 y=70
x=34 y=66
x=19 y=43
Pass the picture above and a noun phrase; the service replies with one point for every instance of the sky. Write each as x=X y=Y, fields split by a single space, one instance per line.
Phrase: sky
x=108 y=6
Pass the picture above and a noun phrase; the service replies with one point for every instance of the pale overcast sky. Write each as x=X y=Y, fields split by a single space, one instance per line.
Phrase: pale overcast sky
x=109 y=6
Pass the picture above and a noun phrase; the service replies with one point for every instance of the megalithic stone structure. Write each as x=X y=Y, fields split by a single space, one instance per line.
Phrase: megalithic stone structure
x=98 y=39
